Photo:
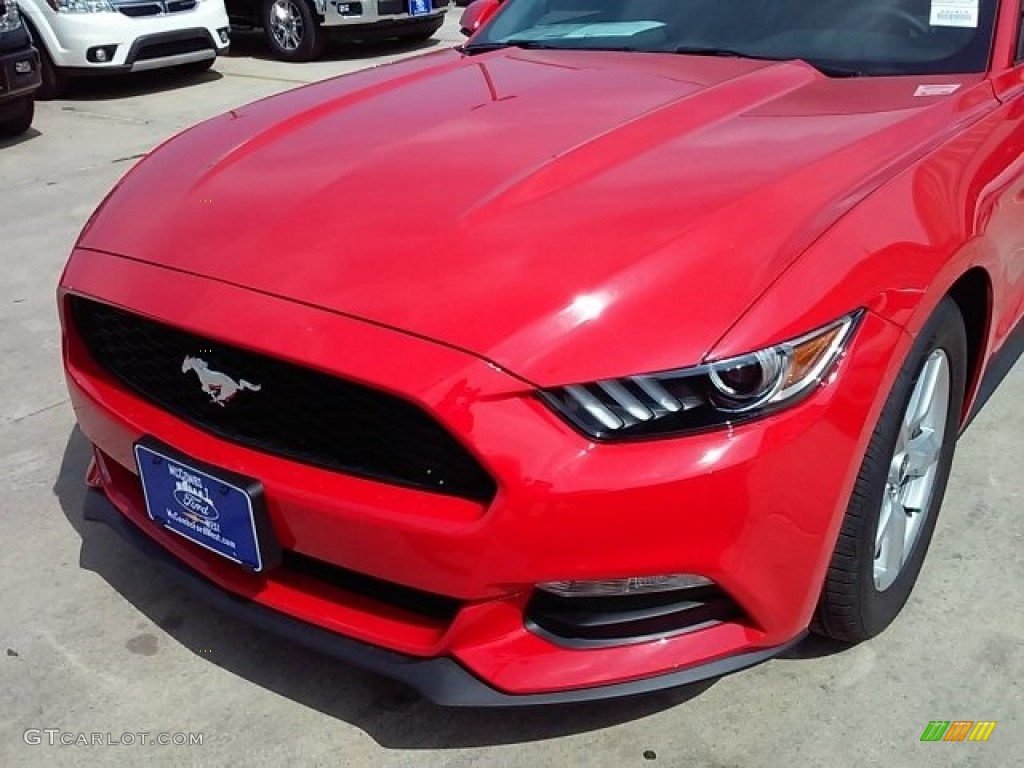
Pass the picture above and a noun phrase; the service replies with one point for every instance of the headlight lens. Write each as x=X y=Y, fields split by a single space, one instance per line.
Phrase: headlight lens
x=81 y=6
x=709 y=396
x=9 y=17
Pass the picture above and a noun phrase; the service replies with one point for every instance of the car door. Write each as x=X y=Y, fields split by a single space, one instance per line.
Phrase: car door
x=1001 y=201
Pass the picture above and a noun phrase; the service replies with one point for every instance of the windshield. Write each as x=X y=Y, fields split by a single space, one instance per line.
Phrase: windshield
x=851 y=37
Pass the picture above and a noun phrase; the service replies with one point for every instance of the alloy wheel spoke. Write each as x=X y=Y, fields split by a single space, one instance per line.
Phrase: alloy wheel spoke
x=893 y=538
x=922 y=453
x=912 y=470
x=924 y=400
x=883 y=522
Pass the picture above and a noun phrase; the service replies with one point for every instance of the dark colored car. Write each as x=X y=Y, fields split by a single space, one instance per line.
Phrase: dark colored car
x=19 y=72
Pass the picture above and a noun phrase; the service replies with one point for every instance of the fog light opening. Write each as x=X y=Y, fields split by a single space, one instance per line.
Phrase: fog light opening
x=224 y=35
x=101 y=54
x=589 y=614
x=636 y=585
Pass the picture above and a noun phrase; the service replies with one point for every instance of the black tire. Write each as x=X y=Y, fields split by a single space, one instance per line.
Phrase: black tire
x=851 y=609
x=16 y=118
x=54 y=81
x=311 y=37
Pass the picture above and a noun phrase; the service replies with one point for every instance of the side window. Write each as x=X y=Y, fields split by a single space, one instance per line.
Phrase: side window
x=1020 y=38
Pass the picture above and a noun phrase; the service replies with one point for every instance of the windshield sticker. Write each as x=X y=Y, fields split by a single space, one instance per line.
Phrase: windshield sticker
x=937 y=90
x=954 y=13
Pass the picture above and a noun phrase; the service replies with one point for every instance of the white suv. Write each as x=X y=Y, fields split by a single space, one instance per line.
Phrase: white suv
x=84 y=37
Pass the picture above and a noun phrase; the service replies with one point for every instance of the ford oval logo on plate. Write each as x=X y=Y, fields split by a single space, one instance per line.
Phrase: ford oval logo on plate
x=210 y=507
x=193 y=495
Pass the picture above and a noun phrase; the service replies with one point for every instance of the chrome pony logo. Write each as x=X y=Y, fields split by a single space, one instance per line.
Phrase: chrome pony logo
x=219 y=386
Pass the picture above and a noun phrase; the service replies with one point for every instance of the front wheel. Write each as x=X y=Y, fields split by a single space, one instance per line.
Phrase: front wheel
x=16 y=118
x=892 y=513
x=292 y=30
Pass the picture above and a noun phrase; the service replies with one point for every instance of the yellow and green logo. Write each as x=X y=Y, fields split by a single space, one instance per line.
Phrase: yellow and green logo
x=958 y=730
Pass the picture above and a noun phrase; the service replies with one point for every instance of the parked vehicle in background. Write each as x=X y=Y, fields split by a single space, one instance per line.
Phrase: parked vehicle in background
x=297 y=30
x=98 y=37
x=19 y=72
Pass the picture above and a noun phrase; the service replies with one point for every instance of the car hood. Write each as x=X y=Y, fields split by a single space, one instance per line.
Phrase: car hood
x=566 y=215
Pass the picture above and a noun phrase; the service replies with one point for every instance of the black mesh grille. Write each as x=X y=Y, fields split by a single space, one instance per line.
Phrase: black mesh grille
x=297 y=413
x=137 y=10
x=158 y=49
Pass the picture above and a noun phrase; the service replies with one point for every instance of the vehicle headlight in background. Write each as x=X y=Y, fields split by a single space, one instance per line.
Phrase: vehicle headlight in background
x=81 y=6
x=10 y=19
x=704 y=397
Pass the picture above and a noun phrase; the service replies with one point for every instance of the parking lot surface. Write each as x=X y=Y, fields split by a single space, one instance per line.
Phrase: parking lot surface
x=95 y=640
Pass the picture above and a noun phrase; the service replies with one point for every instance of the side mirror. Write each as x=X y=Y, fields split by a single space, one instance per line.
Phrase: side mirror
x=476 y=15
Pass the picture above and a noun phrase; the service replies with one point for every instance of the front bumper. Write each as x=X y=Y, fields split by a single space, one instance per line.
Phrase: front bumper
x=375 y=13
x=148 y=42
x=15 y=82
x=442 y=680
x=756 y=509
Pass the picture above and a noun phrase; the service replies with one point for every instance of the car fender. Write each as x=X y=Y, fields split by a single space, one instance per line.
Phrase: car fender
x=39 y=26
x=897 y=253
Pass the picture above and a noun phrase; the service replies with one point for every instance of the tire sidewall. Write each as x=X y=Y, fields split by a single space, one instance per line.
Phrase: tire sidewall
x=945 y=331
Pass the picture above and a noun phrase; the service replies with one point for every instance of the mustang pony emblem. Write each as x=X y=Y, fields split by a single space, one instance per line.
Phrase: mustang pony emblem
x=219 y=386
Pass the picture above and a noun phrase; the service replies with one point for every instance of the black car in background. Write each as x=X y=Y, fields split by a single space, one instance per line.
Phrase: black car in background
x=19 y=72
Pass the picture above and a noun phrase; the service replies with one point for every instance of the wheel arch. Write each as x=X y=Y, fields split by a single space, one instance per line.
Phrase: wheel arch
x=39 y=28
x=972 y=293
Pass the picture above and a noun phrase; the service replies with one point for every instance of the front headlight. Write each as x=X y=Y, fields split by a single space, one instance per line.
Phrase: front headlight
x=716 y=394
x=81 y=6
x=10 y=19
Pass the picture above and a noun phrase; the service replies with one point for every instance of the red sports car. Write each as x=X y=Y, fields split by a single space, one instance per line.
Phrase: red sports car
x=608 y=352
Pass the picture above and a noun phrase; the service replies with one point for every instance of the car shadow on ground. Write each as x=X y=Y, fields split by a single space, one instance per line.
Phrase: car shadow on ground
x=814 y=647
x=251 y=44
x=21 y=138
x=394 y=716
x=134 y=84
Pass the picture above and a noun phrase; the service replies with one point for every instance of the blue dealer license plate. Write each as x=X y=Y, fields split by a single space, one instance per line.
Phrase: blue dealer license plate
x=216 y=510
x=419 y=7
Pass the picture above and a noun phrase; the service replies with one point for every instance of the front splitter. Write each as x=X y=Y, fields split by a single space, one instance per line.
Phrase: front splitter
x=442 y=680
